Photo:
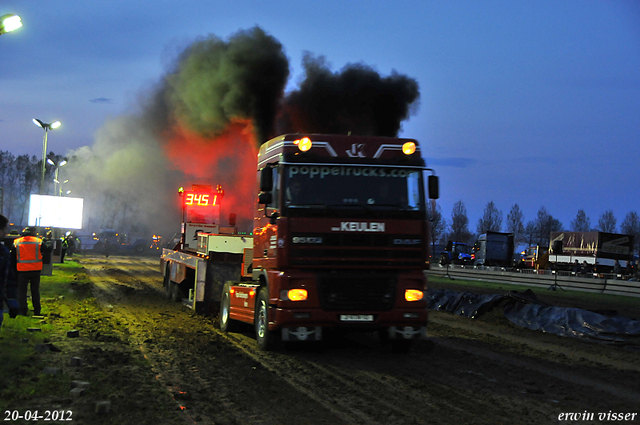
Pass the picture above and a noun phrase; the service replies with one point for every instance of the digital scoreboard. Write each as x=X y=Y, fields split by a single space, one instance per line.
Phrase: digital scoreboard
x=201 y=204
x=200 y=199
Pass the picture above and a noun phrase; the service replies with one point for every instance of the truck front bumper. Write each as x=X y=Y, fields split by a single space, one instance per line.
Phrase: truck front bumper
x=307 y=324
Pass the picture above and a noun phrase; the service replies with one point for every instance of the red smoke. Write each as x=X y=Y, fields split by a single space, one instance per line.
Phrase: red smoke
x=230 y=160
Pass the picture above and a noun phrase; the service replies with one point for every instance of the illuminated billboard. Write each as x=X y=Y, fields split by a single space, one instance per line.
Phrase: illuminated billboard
x=55 y=211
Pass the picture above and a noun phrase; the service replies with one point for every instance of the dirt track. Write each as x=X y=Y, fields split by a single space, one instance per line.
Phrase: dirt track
x=483 y=371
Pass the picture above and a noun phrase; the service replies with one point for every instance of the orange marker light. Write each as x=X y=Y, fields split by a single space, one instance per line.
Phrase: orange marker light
x=304 y=144
x=252 y=293
x=413 y=295
x=297 y=294
x=232 y=291
x=408 y=148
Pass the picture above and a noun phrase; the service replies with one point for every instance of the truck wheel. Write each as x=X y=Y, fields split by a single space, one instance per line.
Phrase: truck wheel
x=226 y=323
x=176 y=292
x=264 y=337
x=444 y=260
x=139 y=248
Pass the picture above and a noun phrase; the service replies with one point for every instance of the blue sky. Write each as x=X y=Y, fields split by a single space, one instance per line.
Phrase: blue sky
x=535 y=103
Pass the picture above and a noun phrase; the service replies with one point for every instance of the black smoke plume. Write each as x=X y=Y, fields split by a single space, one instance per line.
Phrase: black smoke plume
x=129 y=176
x=356 y=100
x=217 y=82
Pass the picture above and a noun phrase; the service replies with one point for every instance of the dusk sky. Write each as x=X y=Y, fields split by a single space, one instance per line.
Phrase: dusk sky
x=528 y=102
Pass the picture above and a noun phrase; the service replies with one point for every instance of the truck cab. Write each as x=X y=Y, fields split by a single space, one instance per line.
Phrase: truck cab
x=342 y=220
x=456 y=253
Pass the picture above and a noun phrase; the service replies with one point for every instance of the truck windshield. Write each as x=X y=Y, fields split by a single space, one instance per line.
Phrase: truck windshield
x=337 y=188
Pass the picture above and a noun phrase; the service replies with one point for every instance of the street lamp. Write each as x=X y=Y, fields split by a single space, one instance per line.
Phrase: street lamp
x=46 y=127
x=59 y=183
x=9 y=22
x=55 y=179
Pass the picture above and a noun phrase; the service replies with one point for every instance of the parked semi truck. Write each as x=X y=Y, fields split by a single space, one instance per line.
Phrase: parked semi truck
x=340 y=241
x=599 y=249
x=493 y=249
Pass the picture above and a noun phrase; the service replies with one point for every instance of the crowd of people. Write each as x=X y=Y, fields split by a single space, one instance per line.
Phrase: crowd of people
x=630 y=271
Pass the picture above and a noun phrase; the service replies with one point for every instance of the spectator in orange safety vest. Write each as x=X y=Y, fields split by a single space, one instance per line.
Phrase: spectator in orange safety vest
x=28 y=261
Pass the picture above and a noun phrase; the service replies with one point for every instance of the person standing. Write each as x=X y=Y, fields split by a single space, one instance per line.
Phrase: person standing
x=47 y=249
x=8 y=286
x=28 y=260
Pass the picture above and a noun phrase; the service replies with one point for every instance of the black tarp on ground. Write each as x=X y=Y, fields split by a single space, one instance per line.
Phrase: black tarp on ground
x=574 y=322
x=465 y=304
x=523 y=309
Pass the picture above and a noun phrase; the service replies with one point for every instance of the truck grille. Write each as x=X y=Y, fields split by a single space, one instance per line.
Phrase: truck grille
x=357 y=293
x=358 y=251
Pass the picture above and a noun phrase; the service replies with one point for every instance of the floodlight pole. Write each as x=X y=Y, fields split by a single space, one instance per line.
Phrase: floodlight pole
x=46 y=128
x=44 y=161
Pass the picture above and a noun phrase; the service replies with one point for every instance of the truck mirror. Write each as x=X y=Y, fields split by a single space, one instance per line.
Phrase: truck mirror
x=266 y=179
x=434 y=187
x=264 y=198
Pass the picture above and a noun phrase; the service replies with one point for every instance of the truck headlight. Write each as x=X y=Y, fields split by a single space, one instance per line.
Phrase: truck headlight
x=294 y=295
x=413 y=295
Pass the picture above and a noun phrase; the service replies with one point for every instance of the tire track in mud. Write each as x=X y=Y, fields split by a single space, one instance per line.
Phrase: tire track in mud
x=113 y=279
x=466 y=378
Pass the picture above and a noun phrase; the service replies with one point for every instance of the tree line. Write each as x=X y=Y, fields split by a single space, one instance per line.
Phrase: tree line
x=20 y=176
x=533 y=232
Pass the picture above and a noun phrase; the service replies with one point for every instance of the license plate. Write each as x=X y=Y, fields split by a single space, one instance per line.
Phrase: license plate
x=356 y=317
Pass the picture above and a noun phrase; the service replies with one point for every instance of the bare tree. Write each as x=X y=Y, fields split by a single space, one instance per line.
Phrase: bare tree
x=460 y=223
x=530 y=233
x=491 y=220
x=581 y=222
x=607 y=222
x=515 y=224
x=28 y=181
x=631 y=226
x=438 y=223
x=540 y=230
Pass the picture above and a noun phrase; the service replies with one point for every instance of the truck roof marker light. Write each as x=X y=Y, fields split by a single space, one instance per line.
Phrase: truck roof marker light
x=413 y=295
x=303 y=144
x=408 y=148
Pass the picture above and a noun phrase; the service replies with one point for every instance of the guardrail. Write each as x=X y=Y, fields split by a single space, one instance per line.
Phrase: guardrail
x=599 y=283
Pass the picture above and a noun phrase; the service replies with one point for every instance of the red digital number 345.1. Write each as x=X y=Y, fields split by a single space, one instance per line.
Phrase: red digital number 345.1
x=197 y=199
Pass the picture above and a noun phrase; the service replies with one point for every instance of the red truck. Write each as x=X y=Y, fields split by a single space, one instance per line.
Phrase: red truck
x=340 y=241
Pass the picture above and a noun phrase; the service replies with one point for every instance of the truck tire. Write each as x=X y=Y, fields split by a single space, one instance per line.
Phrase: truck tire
x=226 y=323
x=139 y=248
x=176 y=292
x=264 y=337
x=444 y=260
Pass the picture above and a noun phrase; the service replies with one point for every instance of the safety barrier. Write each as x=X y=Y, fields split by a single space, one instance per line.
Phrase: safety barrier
x=600 y=283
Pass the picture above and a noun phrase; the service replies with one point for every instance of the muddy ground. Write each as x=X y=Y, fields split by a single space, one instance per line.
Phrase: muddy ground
x=161 y=364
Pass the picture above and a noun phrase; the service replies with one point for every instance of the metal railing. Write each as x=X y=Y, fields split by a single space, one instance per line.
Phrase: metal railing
x=607 y=283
